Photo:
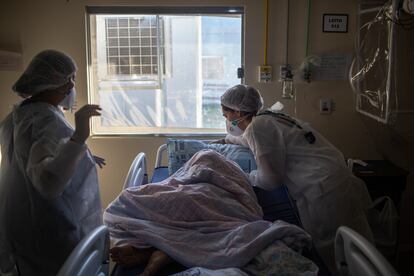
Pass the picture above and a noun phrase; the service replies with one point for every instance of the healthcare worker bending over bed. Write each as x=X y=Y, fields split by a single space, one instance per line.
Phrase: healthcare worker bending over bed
x=49 y=198
x=290 y=152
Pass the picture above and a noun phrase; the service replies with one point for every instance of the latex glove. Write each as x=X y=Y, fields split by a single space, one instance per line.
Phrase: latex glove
x=99 y=161
x=252 y=176
x=82 y=116
x=236 y=140
x=219 y=141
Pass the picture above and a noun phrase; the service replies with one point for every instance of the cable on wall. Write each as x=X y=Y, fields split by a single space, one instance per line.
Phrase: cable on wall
x=266 y=41
x=265 y=70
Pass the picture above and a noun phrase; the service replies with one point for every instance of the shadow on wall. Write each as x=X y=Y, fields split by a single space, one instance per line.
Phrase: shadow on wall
x=395 y=143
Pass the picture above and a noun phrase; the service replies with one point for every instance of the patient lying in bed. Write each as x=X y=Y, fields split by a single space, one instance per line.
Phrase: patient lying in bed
x=205 y=215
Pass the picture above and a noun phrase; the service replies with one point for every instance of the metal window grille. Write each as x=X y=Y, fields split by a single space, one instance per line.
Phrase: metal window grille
x=134 y=45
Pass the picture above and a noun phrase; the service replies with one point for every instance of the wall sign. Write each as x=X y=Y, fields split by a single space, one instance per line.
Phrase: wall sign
x=335 y=23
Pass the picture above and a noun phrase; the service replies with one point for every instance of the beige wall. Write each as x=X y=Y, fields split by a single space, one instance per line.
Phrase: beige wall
x=31 y=26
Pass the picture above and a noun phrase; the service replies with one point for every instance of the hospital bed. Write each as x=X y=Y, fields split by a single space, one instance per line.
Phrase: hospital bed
x=90 y=257
x=356 y=256
x=276 y=205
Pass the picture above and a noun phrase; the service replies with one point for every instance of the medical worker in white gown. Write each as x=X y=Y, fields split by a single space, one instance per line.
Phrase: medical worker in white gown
x=290 y=152
x=49 y=198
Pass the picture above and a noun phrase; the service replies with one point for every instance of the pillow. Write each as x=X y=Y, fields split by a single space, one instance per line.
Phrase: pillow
x=180 y=151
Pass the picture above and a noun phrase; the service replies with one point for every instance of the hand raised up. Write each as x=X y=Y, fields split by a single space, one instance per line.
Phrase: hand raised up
x=82 y=126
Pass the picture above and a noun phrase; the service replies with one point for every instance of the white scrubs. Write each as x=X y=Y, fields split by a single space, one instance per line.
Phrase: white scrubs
x=327 y=194
x=49 y=197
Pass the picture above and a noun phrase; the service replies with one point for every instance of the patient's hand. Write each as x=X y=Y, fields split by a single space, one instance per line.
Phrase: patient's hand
x=157 y=261
x=128 y=256
x=219 y=141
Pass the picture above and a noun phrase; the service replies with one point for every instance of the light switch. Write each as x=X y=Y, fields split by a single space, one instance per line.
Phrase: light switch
x=325 y=106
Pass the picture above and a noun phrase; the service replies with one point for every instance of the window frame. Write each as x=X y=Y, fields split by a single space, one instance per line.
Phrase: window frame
x=157 y=10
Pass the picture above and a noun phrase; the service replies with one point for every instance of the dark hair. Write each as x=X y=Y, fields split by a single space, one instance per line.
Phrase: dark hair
x=242 y=113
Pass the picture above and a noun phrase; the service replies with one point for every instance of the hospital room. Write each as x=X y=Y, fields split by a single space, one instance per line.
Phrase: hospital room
x=206 y=137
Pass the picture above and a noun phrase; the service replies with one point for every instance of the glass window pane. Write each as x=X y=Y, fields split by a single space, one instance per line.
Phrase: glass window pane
x=113 y=60
x=135 y=50
x=112 y=41
x=146 y=70
x=112 y=70
x=134 y=41
x=112 y=22
x=145 y=41
x=146 y=60
x=134 y=32
x=145 y=22
x=124 y=70
x=124 y=60
x=113 y=51
x=133 y=22
x=123 y=41
x=213 y=68
x=123 y=32
x=136 y=70
x=124 y=51
x=146 y=51
x=136 y=60
x=112 y=32
x=123 y=22
x=174 y=85
x=145 y=32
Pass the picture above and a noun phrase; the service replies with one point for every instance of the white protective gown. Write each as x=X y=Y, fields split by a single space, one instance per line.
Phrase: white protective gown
x=327 y=194
x=49 y=197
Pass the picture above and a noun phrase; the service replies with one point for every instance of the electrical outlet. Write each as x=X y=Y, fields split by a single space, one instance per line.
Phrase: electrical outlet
x=285 y=72
x=265 y=73
x=325 y=106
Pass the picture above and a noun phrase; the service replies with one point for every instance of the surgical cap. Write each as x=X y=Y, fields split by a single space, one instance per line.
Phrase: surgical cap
x=242 y=98
x=49 y=69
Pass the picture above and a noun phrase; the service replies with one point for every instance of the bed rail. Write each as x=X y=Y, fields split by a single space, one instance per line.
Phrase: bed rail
x=160 y=152
x=137 y=174
x=162 y=149
x=90 y=256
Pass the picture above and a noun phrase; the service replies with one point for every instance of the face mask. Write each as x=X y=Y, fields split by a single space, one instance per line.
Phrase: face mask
x=69 y=100
x=232 y=128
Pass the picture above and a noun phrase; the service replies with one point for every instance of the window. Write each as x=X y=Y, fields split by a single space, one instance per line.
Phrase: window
x=162 y=70
x=132 y=46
